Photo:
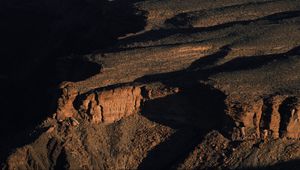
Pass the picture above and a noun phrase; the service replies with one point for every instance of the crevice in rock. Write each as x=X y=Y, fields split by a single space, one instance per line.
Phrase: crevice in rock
x=61 y=162
x=266 y=114
x=286 y=110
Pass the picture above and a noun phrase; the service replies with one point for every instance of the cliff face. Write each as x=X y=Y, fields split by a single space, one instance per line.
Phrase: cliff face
x=191 y=84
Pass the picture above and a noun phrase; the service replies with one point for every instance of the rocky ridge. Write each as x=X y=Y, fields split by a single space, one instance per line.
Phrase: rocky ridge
x=203 y=85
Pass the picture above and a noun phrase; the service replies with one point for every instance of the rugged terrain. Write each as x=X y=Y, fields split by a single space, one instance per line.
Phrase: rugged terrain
x=157 y=84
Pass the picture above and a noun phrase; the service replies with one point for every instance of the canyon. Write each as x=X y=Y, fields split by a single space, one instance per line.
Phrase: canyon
x=156 y=84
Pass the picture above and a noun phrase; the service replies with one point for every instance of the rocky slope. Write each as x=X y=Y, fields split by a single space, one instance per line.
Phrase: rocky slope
x=194 y=84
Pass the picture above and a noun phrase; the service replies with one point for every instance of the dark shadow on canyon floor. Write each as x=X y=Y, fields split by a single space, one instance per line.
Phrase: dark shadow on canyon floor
x=197 y=108
x=193 y=112
x=291 y=165
x=40 y=41
x=155 y=35
x=39 y=36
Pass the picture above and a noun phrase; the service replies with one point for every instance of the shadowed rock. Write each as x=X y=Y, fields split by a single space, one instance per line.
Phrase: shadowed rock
x=166 y=84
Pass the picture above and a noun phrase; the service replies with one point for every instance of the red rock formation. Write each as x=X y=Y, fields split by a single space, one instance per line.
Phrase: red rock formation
x=108 y=106
x=65 y=102
x=290 y=113
x=274 y=117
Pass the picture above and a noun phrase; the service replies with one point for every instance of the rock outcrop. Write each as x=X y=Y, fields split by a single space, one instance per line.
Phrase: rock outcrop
x=274 y=117
x=108 y=106
x=189 y=84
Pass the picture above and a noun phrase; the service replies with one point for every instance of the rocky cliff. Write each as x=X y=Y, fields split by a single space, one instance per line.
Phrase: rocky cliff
x=194 y=84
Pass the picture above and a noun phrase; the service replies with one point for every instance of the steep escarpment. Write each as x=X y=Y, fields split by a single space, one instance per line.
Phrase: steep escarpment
x=171 y=85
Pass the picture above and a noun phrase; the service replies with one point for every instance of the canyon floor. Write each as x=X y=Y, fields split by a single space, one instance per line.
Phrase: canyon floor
x=156 y=84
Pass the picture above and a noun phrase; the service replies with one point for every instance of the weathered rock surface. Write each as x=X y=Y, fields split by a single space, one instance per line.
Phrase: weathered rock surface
x=203 y=85
x=112 y=105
